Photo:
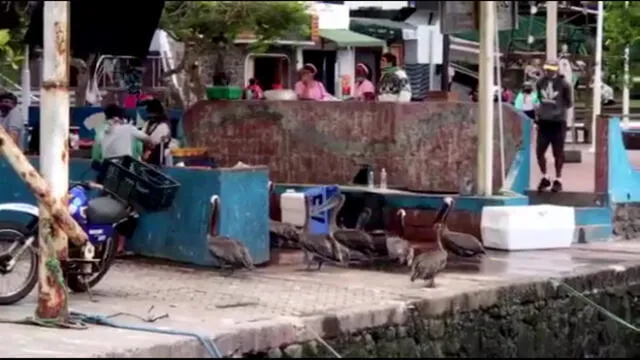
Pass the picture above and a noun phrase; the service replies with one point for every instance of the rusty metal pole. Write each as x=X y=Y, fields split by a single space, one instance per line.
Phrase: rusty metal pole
x=54 y=158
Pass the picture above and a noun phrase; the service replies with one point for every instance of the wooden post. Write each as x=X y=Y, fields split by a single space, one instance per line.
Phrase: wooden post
x=601 y=168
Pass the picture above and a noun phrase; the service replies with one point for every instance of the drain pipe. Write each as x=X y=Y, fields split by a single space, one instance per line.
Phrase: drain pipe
x=25 y=80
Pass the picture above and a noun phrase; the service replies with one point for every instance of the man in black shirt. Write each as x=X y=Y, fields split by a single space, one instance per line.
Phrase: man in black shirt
x=554 y=93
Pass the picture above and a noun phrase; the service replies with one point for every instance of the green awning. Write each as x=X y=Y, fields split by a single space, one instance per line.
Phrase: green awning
x=383 y=28
x=345 y=38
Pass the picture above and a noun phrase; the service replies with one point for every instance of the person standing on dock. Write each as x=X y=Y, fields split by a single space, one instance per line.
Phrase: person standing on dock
x=554 y=93
x=527 y=100
x=394 y=83
x=364 y=87
x=308 y=88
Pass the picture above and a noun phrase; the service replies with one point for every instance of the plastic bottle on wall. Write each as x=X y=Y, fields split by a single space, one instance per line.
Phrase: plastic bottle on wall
x=370 y=178
x=383 y=178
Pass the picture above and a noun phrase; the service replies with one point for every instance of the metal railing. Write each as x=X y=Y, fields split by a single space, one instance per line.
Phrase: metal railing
x=110 y=72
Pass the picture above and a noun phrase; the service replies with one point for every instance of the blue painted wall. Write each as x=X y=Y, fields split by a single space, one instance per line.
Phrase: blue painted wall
x=77 y=115
x=179 y=233
x=517 y=178
x=624 y=180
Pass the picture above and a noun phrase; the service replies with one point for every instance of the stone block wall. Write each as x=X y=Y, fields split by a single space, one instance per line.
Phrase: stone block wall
x=626 y=221
x=426 y=146
x=534 y=321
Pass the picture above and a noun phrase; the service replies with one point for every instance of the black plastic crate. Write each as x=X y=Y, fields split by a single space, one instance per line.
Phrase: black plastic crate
x=139 y=184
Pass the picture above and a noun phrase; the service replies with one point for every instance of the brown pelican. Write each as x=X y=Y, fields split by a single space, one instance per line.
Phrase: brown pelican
x=458 y=243
x=357 y=242
x=320 y=247
x=428 y=264
x=283 y=234
x=392 y=246
x=230 y=253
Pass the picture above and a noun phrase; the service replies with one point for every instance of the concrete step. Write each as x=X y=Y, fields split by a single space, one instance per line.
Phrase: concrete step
x=567 y=198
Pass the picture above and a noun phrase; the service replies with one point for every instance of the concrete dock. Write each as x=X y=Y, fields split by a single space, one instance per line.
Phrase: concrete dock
x=280 y=311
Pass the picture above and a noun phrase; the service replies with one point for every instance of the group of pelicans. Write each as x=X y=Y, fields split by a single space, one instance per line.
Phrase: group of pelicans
x=355 y=246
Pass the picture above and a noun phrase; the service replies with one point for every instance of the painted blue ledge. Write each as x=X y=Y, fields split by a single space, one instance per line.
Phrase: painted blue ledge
x=624 y=180
x=179 y=233
x=593 y=224
x=408 y=200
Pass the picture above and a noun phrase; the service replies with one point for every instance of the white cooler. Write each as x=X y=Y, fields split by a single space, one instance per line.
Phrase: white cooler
x=532 y=227
x=292 y=207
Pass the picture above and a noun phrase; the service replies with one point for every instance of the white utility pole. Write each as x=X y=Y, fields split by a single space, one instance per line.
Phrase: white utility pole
x=625 y=89
x=54 y=154
x=552 y=30
x=485 y=101
x=54 y=101
x=597 y=81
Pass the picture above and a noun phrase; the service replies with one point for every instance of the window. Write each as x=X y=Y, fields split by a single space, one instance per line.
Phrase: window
x=271 y=70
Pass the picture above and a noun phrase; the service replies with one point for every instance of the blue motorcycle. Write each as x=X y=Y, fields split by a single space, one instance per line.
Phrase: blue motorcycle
x=100 y=217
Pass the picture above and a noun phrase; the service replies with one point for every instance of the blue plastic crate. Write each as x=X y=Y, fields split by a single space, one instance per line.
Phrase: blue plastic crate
x=319 y=195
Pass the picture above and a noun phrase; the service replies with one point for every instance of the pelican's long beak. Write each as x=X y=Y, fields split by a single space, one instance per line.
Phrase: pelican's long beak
x=402 y=213
x=331 y=203
x=443 y=212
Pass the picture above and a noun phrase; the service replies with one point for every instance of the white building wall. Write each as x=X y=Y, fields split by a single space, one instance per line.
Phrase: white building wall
x=331 y=16
x=416 y=51
x=336 y=16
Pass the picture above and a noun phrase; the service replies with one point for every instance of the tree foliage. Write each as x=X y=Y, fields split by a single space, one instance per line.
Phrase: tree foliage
x=211 y=24
x=15 y=17
x=211 y=27
x=621 y=30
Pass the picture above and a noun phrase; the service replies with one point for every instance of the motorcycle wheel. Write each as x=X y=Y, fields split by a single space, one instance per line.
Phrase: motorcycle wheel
x=10 y=233
x=80 y=283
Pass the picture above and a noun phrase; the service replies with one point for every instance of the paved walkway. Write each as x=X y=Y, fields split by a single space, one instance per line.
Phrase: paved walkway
x=277 y=305
x=575 y=176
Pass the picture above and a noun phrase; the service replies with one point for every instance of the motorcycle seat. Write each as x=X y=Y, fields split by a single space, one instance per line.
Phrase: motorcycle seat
x=105 y=210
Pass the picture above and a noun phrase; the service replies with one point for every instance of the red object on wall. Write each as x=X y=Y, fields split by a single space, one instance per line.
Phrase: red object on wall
x=315 y=28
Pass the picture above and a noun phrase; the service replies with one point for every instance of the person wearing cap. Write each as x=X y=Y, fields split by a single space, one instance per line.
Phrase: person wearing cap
x=159 y=130
x=527 y=100
x=394 y=83
x=555 y=97
x=364 y=87
x=307 y=88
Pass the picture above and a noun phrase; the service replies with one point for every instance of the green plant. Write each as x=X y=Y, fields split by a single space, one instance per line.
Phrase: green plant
x=621 y=30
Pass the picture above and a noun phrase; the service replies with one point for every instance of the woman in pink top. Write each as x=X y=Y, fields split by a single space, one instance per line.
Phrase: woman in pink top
x=309 y=89
x=364 y=88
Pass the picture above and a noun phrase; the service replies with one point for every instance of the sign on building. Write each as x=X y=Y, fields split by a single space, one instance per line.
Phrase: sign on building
x=461 y=16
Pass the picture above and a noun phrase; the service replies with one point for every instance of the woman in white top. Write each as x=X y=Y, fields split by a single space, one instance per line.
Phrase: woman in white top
x=118 y=138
